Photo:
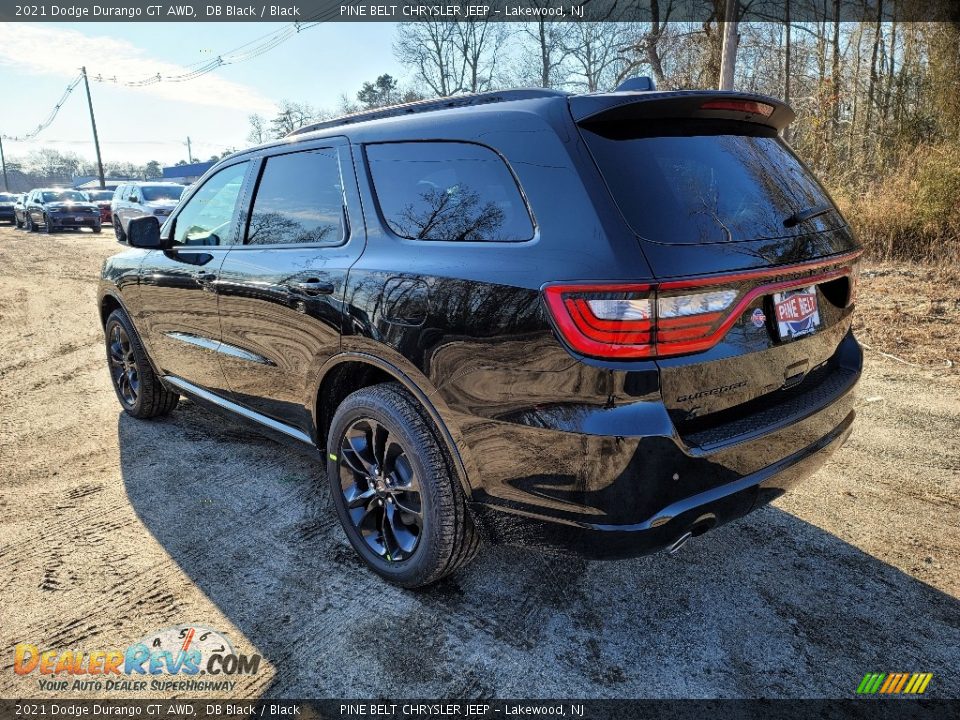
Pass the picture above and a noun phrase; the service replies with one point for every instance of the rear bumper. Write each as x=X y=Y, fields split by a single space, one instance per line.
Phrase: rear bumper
x=695 y=514
x=621 y=495
x=6 y=214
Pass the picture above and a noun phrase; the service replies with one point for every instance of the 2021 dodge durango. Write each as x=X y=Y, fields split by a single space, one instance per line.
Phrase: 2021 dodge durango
x=596 y=323
x=58 y=209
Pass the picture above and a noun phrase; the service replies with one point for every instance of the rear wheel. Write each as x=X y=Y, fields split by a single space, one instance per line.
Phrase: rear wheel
x=396 y=495
x=138 y=389
x=118 y=230
x=96 y=229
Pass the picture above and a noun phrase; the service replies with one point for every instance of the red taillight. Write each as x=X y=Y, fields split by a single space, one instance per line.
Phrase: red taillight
x=748 y=106
x=672 y=318
x=604 y=320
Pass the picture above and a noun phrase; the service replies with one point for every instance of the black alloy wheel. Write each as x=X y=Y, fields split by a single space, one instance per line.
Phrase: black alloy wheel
x=123 y=365
x=381 y=491
x=138 y=388
x=395 y=491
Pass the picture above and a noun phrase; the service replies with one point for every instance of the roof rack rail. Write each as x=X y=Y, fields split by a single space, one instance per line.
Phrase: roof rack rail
x=421 y=106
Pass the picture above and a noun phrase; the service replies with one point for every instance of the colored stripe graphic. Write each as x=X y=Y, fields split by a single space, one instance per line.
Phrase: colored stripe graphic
x=894 y=683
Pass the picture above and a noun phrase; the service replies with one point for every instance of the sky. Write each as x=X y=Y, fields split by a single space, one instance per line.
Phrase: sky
x=39 y=60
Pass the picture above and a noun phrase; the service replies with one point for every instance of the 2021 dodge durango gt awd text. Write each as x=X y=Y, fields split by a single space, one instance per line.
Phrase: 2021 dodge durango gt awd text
x=596 y=323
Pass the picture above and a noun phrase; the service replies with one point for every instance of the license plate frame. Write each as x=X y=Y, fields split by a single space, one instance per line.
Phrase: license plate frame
x=796 y=312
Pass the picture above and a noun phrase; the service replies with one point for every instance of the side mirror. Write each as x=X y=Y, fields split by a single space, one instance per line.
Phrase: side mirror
x=144 y=233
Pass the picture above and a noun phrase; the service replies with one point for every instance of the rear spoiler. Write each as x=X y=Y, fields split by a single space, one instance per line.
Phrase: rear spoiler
x=727 y=105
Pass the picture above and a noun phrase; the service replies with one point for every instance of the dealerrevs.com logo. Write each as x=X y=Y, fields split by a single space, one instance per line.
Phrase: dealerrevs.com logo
x=166 y=660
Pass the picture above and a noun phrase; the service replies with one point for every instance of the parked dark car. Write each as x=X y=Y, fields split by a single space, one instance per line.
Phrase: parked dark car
x=602 y=323
x=20 y=210
x=102 y=199
x=7 y=201
x=58 y=209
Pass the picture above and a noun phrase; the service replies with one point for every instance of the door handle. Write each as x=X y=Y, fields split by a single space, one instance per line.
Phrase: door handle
x=312 y=287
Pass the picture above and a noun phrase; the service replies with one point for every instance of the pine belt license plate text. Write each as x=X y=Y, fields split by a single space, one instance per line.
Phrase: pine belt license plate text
x=796 y=312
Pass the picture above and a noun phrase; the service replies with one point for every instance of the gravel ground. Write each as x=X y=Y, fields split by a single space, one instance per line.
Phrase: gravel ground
x=112 y=528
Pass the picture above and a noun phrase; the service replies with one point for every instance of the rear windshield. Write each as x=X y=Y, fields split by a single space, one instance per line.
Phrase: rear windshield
x=100 y=195
x=7 y=197
x=153 y=193
x=690 y=182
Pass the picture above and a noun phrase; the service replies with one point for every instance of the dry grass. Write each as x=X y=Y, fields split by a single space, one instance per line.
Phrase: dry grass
x=912 y=312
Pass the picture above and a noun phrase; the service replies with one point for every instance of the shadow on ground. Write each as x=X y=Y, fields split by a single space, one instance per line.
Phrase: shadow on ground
x=768 y=606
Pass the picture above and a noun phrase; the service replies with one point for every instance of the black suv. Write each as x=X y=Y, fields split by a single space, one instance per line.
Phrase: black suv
x=58 y=209
x=601 y=323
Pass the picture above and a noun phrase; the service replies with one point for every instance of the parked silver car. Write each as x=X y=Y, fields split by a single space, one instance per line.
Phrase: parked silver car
x=142 y=199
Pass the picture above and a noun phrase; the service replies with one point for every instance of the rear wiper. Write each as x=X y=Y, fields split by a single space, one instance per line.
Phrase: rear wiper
x=809 y=214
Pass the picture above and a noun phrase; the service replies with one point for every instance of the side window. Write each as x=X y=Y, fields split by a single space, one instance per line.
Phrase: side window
x=299 y=200
x=209 y=217
x=448 y=191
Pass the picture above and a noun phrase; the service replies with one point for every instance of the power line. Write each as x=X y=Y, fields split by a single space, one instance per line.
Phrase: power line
x=242 y=53
x=51 y=117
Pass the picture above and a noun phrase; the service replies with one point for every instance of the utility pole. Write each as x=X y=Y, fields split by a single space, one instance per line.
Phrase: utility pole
x=786 y=71
x=3 y=164
x=189 y=151
x=728 y=55
x=93 y=123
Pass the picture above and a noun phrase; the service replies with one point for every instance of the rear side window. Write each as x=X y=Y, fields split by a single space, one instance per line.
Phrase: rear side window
x=448 y=191
x=695 y=182
x=299 y=200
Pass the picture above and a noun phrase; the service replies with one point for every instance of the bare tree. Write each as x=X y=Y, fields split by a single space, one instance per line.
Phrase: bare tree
x=596 y=52
x=258 y=129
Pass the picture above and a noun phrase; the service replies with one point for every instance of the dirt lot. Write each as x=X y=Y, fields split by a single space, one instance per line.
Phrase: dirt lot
x=112 y=528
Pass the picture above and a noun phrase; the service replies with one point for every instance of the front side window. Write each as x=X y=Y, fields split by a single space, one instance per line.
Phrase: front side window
x=448 y=191
x=299 y=200
x=209 y=217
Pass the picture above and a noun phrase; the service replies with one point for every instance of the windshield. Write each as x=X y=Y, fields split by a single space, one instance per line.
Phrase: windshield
x=152 y=193
x=689 y=182
x=100 y=195
x=62 y=195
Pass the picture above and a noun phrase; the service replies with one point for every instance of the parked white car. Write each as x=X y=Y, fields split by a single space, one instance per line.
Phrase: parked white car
x=141 y=199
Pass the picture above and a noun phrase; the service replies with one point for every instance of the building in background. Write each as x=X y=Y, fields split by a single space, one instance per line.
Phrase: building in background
x=186 y=174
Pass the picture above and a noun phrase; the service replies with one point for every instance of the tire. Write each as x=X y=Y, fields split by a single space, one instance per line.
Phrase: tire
x=138 y=389
x=96 y=229
x=118 y=230
x=47 y=228
x=29 y=223
x=383 y=518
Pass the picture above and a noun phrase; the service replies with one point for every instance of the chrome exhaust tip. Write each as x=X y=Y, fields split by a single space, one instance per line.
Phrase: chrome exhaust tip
x=679 y=542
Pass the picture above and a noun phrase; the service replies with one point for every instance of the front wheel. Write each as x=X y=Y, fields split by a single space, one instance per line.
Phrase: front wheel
x=30 y=226
x=47 y=227
x=138 y=388
x=96 y=229
x=118 y=230
x=396 y=495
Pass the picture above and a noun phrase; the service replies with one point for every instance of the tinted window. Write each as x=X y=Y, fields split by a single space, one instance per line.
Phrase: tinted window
x=448 y=191
x=96 y=195
x=299 y=200
x=7 y=197
x=152 y=193
x=209 y=216
x=706 y=182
